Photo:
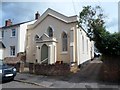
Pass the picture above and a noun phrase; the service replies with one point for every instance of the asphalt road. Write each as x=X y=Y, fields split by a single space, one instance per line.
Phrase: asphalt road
x=15 y=84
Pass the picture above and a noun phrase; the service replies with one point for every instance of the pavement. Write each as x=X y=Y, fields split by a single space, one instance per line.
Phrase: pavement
x=82 y=79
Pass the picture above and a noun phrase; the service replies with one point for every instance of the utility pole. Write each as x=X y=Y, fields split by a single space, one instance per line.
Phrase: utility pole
x=119 y=16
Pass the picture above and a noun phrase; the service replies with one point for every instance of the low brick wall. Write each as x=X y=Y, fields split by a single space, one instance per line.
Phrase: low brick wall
x=54 y=69
x=31 y=67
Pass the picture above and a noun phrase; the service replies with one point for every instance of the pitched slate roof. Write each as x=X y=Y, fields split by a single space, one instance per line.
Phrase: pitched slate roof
x=16 y=24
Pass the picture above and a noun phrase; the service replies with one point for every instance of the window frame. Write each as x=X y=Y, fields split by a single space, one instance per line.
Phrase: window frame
x=64 y=43
x=13 y=35
x=83 y=47
x=2 y=33
x=50 y=34
x=12 y=51
x=87 y=45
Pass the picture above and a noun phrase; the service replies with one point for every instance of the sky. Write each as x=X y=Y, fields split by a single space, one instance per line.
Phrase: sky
x=20 y=11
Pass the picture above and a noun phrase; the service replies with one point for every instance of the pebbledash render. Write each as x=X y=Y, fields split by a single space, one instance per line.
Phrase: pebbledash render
x=56 y=37
x=49 y=38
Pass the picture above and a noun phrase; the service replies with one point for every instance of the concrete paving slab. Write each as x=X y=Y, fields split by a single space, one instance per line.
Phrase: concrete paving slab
x=63 y=84
x=91 y=85
x=46 y=83
x=79 y=85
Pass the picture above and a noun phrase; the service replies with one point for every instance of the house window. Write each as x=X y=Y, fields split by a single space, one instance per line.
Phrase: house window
x=2 y=33
x=12 y=50
x=87 y=45
x=64 y=41
x=83 y=44
x=13 y=32
x=50 y=32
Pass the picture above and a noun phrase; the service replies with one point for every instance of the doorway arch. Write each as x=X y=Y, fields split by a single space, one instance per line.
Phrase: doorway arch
x=44 y=54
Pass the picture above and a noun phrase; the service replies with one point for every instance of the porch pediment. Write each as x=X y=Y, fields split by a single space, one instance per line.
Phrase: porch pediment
x=45 y=38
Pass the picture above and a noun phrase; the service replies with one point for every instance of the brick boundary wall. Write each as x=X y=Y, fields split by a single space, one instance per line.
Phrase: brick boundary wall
x=111 y=69
x=49 y=69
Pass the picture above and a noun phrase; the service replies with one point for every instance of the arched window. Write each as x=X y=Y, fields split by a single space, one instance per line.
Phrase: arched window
x=64 y=41
x=50 y=32
x=36 y=37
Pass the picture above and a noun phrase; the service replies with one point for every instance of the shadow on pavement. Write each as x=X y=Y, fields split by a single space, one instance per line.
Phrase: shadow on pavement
x=90 y=73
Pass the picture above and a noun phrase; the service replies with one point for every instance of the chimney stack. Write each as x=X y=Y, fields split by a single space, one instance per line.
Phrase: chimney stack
x=37 y=15
x=8 y=22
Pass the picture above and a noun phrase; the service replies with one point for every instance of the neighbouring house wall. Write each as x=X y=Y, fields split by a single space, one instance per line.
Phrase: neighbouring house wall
x=22 y=36
x=58 y=27
x=1 y=53
x=10 y=41
x=1 y=48
x=19 y=41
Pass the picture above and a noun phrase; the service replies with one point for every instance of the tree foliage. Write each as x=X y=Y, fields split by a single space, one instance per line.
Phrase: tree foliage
x=93 y=20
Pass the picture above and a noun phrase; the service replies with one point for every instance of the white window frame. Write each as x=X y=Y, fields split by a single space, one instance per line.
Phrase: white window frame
x=64 y=51
x=50 y=32
x=14 y=33
x=12 y=50
x=2 y=33
x=87 y=45
x=83 y=43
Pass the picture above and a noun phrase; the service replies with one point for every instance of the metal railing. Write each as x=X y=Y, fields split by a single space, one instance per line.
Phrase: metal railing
x=44 y=60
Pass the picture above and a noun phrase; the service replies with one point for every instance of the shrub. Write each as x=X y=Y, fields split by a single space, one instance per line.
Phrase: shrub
x=109 y=44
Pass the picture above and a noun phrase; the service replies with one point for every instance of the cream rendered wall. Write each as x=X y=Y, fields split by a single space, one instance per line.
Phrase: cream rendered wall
x=58 y=27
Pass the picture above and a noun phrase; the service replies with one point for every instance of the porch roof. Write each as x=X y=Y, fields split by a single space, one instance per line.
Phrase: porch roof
x=2 y=45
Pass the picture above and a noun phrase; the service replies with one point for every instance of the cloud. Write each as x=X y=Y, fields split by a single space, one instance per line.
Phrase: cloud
x=112 y=22
x=24 y=11
x=19 y=11
x=112 y=25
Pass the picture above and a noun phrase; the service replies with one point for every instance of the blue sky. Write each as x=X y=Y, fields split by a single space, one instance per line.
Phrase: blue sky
x=24 y=11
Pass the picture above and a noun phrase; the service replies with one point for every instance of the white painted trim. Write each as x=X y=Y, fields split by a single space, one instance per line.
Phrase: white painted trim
x=64 y=52
x=71 y=43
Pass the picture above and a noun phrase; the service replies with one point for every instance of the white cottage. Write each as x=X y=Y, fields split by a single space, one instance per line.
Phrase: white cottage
x=13 y=39
x=2 y=47
x=56 y=37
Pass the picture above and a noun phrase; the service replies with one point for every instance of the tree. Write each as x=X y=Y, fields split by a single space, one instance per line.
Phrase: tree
x=93 y=20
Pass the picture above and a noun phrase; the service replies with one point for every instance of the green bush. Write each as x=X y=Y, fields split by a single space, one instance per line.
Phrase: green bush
x=93 y=19
x=109 y=44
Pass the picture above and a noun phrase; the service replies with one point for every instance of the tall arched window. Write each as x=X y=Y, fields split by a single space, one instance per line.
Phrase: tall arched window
x=50 y=32
x=64 y=41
